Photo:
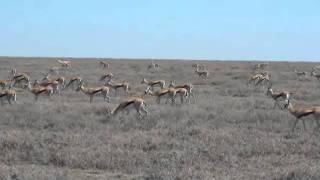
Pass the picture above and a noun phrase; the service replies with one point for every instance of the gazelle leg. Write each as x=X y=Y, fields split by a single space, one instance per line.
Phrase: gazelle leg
x=294 y=125
x=143 y=108
x=304 y=124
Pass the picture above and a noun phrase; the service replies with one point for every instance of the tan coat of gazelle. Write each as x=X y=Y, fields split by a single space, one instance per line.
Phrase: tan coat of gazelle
x=276 y=96
x=169 y=92
x=188 y=87
x=9 y=94
x=104 y=90
x=116 y=86
x=299 y=112
x=160 y=83
x=38 y=89
x=137 y=103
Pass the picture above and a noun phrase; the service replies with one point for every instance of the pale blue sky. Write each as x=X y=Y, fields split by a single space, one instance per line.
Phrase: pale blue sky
x=191 y=29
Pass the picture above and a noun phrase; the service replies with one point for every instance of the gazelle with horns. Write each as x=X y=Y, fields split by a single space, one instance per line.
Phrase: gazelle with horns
x=104 y=90
x=137 y=103
x=10 y=94
x=160 y=83
x=19 y=78
x=53 y=84
x=66 y=64
x=36 y=90
x=276 y=96
x=300 y=112
x=188 y=87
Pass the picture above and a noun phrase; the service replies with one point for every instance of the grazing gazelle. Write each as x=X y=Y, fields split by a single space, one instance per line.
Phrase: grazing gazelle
x=276 y=96
x=161 y=83
x=104 y=65
x=107 y=76
x=137 y=103
x=300 y=112
x=66 y=64
x=183 y=93
x=10 y=94
x=170 y=92
x=36 y=90
x=116 y=86
x=188 y=86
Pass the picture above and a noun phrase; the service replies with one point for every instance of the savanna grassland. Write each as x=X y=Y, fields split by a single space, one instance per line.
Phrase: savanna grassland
x=230 y=132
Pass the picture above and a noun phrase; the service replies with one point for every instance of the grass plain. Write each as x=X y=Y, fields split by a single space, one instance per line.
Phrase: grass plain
x=230 y=132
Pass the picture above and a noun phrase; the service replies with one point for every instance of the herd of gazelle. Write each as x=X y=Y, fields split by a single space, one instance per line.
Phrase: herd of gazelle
x=50 y=86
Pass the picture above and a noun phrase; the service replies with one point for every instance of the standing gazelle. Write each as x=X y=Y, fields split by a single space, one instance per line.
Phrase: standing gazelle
x=66 y=64
x=161 y=83
x=104 y=65
x=116 y=86
x=161 y=93
x=188 y=87
x=202 y=73
x=276 y=96
x=10 y=94
x=107 y=76
x=300 y=112
x=104 y=90
x=37 y=90
x=138 y=103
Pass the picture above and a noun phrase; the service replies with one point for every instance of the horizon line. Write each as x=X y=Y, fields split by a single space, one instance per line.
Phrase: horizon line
x=159 y=59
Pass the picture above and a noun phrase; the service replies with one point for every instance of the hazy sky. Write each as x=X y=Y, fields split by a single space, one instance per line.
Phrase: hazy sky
x=192 y=29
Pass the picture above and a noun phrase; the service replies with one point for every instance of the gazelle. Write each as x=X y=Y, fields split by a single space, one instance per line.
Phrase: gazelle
x=199 y=67
x=202 y=73
x=169 y=92
x=300 y=112
x=60 y=79
x=10 y=94
x=276 y=96
x=183 y=93
x=37 y=90
x=54 y=84
x=116 y=86
x=74 y=80
x=19 y=78
x=263 y=78
x=161 y=83
x=6 y=83
x=107 y=76
x=104 y=65
x=300 y=73
x=66 y=64
x=314 y=74
x=104 y=90
x=153 y=66
x=188 y=86
x=137 y=103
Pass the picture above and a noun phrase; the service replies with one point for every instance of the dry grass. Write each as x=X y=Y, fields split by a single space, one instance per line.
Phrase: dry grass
x=231 y=132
